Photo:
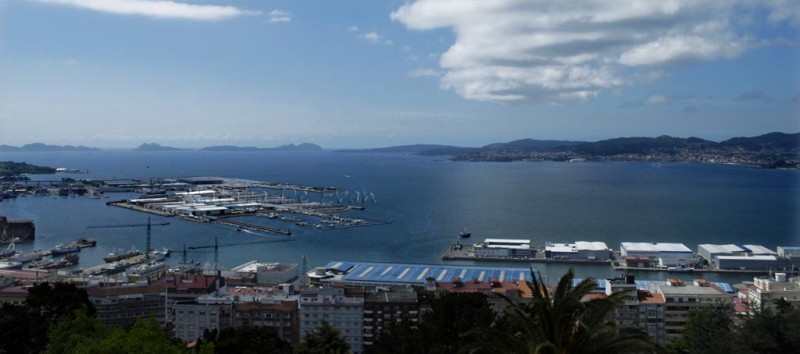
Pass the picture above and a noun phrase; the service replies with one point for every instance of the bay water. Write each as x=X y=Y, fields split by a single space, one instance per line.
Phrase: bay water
x=430 y=200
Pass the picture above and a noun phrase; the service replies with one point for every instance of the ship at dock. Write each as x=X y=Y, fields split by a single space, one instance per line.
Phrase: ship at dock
x=119 y=255
x=63 y=249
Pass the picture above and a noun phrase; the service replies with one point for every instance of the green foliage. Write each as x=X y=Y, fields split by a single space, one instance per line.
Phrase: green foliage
x=325 y=339
x=21 y=330
x=452 y=319
x=708 y=331
x=143 y=337
x=70 y=335
x=399 y=337
x=715 y=330
x=448 y=326
x=561 y=324
x=10 y=168
x=771 y=331
x=83 y=334
x=250 y=339
x=58 y=300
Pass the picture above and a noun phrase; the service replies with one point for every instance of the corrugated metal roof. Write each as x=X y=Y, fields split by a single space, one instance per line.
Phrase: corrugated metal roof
x=654 y=247
x=725 y=286
x=399 y=273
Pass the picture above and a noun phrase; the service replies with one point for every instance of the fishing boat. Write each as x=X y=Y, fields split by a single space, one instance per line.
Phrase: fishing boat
x=158 y=255
x=147 y=270
x=85 y=242
x=62 y=249
x=28 y=257
x=464 y=234
x=67 y=261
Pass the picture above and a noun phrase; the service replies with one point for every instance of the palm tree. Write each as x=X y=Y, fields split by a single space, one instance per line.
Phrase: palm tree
x=564 y=323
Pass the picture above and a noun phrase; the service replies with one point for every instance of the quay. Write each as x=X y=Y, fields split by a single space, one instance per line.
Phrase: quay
x=635 y=256
x=256 y=227
x=462 y=252
x=115 y=267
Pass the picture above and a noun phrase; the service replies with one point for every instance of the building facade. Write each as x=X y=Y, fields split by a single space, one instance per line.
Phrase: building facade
x=341 y=307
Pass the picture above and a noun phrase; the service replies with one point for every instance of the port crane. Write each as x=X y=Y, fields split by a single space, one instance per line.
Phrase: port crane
x=149 y=226
x=217 y=245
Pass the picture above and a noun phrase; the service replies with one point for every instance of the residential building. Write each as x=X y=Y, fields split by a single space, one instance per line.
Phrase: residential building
x=387 y=304
x=120 y=306
x=341 y=307
x=766 y=290
x=680 y=298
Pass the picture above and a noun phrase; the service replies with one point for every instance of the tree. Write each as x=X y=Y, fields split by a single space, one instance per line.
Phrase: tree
x=565 y=323
x=58 y=300
x=449 y=324
x=250 y=339
x=772 y=331
x=325 y=339
x=20 y=330
x=69 y=334
x=143 y=337
x=453 y=319
x=398 y=337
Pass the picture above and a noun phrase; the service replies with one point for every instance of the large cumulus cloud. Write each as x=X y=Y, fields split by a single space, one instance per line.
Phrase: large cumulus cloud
x=531 y=51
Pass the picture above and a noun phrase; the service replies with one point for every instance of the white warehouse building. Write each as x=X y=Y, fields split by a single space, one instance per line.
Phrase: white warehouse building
x=504 y=248
x=583 y=250
x=667 y=254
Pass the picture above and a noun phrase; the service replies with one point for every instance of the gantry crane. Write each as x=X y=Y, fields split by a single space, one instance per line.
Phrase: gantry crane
x=149 y=231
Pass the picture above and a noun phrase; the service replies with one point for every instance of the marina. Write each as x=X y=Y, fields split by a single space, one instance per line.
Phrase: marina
x=223 y=200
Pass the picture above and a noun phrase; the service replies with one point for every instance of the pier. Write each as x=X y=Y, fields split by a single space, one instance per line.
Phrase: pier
x=249 y=226
x=463 y=252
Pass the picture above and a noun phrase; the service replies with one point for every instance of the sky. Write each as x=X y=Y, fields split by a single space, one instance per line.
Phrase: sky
x=367 y=73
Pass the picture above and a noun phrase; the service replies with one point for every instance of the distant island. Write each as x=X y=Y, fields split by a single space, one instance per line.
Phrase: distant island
x=155 y=147
x=773 y=150
x=288 y=147
x=35 y=147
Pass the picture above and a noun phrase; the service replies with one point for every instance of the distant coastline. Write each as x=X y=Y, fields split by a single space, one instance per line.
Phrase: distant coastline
x=772 y=150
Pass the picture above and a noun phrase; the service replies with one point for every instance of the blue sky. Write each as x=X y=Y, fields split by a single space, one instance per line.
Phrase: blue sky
x=118 y=73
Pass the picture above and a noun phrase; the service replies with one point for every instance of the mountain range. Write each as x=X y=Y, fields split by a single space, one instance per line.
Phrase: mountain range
x=44 y=147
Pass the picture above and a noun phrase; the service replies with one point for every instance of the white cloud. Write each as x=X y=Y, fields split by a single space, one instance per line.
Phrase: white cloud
x=374 y=37
x=426 y=72
x=278 y=16
x=157 y=9
x=559 y=51
x=666 y=50
x=353 y=28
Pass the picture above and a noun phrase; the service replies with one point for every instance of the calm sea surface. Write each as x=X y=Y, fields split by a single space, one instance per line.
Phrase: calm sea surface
x=430 y=200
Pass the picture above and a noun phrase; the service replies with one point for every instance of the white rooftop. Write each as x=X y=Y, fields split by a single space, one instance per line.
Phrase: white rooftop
x=591 y=245
x=758 y=249
x=729 y=248
x=561 y=247
x=750 y=258
x=655 y=247
x=507 y=241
